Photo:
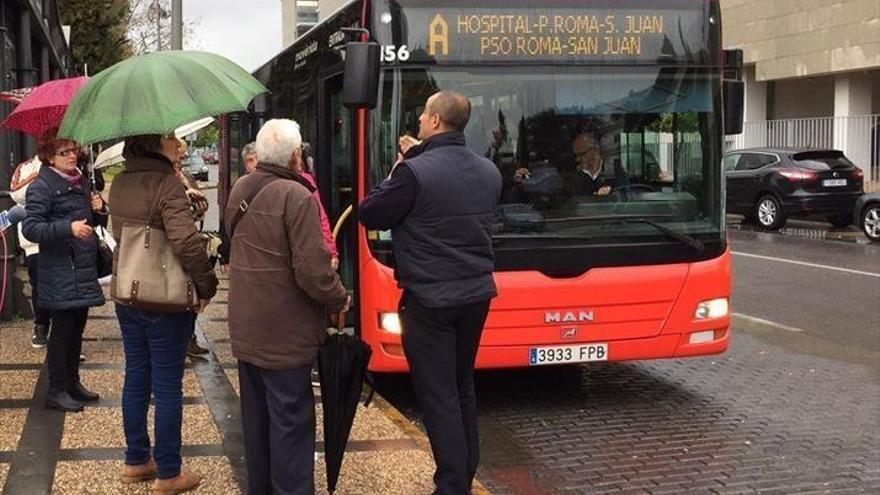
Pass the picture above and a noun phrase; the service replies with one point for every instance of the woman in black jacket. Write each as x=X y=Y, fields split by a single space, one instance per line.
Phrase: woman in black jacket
x=61 y=213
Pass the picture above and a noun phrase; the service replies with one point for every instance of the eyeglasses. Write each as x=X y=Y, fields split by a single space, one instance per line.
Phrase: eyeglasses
x=67 y=152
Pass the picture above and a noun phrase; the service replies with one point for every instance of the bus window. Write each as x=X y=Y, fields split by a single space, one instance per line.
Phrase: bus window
x=650 y=128
x=338 y=131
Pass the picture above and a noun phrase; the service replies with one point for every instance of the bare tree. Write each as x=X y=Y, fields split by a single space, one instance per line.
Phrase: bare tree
x=150 y=27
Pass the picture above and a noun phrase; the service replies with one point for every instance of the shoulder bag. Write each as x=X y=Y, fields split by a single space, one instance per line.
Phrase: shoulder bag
x=148 y=274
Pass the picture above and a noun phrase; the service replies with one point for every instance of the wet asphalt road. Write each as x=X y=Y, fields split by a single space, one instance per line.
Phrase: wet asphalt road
x=837 y=302
x=792 y=407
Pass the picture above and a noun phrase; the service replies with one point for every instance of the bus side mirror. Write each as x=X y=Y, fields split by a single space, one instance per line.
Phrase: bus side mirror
x=734 y=96
x=361 y=85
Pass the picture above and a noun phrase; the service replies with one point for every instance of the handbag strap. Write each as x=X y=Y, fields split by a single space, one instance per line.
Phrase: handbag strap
x=156 y=199
x=263 y=181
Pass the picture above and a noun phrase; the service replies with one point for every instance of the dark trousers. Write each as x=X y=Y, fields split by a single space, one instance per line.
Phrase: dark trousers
x=441 y=347
x=155 y=352
x=278 y=417
x=41 y=316
x=65 y=345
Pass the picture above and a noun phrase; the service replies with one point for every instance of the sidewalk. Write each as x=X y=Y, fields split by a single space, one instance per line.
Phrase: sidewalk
x=43 y=451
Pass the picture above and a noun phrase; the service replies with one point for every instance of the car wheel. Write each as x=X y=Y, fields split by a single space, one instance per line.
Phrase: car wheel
x=768 y=211
x=871 y=222
x=840 y=221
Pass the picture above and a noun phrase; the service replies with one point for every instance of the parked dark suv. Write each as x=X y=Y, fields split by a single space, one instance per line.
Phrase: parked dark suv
x=769 y=184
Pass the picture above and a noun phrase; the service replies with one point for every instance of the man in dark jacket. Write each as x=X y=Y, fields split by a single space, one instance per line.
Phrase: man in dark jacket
x=439 y=203
x=281 y=288
x=589 y=176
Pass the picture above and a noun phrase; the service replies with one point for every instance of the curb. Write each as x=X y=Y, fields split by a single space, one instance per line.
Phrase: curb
x=416 y=434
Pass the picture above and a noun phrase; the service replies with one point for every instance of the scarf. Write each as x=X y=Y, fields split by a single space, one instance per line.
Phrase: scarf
x=74 y=177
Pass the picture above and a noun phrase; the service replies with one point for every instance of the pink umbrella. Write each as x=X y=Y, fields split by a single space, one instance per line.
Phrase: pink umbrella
x=44 y=108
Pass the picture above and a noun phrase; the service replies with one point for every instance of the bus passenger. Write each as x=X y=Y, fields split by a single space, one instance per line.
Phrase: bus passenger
x=281 y=288
x=439 y=203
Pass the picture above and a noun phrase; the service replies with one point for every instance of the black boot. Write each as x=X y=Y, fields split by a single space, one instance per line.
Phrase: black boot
x=82 y=394
x=40 y=337
x=62 y=401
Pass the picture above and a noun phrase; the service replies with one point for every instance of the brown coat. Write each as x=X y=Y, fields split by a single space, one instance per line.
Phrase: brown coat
x=131 y=197
x=281 y=285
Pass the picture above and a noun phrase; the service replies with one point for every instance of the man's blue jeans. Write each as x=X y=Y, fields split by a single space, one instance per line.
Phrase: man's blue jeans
x=155 y=351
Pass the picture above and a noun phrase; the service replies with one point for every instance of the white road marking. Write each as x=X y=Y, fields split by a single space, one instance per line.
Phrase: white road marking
x=769 y=323
x=804 y=263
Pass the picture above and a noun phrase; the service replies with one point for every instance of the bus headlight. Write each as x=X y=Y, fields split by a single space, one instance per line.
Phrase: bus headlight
x=390 y=322
x=714 y=308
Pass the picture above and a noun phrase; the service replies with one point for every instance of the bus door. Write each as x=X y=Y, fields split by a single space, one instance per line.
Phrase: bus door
x=336 y=178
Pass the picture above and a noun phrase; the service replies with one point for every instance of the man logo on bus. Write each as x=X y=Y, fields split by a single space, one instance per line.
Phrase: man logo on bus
x=438 y=36
x=568 y=332
x=573 y=316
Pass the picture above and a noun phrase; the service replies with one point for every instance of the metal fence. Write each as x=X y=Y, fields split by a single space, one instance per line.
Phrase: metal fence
x=857 y=136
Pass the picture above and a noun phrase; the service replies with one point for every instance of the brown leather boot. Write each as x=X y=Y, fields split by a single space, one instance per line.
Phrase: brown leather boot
x=181 y=483
x=141 y=472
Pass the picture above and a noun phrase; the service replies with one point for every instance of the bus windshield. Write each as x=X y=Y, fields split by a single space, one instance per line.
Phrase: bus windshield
x=586 y=154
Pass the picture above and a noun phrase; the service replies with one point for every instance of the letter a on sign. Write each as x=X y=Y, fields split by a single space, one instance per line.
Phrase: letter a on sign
x=438 y=36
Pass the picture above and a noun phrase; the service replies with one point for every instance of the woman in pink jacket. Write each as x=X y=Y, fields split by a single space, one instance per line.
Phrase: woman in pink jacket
x=325 y=222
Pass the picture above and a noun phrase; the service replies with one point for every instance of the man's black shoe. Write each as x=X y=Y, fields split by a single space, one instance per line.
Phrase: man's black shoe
x=40 y=337
x=82 y=394
x=62 y=401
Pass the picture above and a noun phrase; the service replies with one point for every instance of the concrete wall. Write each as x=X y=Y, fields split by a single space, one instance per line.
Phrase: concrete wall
x=802 y=98
x=288 y=22
x=796 y=38
x=327 y=7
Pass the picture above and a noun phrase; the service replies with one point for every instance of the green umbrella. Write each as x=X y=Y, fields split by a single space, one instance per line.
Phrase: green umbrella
x=156 y=93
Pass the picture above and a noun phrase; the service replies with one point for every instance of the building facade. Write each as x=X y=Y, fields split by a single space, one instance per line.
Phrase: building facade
x=812 y=73
x=298 y=16
x=33 y=50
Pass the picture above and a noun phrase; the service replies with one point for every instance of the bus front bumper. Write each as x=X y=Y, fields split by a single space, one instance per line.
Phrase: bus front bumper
x=389 y=357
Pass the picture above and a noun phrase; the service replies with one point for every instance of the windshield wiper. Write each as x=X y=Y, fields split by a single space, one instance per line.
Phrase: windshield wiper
x=498 y=239
x=685 y=239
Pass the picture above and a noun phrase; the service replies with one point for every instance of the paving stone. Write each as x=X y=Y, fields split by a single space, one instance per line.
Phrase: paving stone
x=101 y=427
x=370 y=423
x=223 y=352
x=4 y=470
x=18 y=384
x=104 y=352
x=101 y=478
x=103 y=329
x=15 y=344
x=11 y=426
x=214 y=311
x=107 y=309
x=386 y=473
x=232 y=375
x=759 y=417
x=108 y=383
x=215 y=331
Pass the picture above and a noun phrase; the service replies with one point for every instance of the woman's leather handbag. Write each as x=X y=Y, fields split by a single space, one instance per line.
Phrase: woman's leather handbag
x=105 y=258
x=148 y=274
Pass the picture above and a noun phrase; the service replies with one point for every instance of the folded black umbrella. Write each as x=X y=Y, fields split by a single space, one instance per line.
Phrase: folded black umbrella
x=342 y=363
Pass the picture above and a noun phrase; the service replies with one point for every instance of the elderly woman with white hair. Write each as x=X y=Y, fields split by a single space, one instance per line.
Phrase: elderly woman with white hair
x=281 y=290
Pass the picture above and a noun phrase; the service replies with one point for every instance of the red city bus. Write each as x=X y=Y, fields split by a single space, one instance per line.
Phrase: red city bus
x=643 y=272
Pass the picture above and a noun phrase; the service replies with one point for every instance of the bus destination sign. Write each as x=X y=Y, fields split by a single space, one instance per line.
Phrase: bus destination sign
x=558 y=35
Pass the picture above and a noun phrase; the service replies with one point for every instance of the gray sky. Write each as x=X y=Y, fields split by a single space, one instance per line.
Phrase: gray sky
x=246 y=31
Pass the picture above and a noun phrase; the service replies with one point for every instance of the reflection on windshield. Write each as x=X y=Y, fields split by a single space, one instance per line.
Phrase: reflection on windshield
x=575 y=145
